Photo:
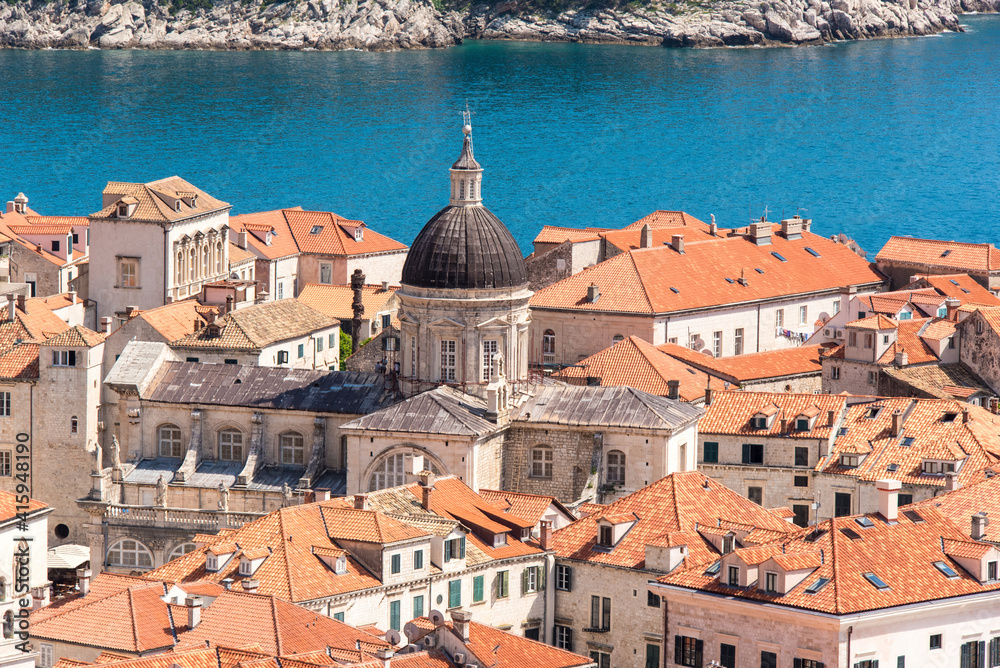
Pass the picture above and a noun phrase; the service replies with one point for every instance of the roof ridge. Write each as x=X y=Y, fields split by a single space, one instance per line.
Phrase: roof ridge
x=277 y=629
x=642 y=283
x=284 y=552
x=135 y=623
x=838 y=608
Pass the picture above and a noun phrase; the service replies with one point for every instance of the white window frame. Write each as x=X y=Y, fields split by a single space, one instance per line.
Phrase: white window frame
x=804 y=314
x=292 y=446
x=490 y=348
x=172 y=435
x=541 y=461
x=738 y=341
x=232 y=440
x=449 y=356
x=328 y=268
x=779 y=318
x=64 y=358
x=717 y=344
x=128 y=272
x=130 y=553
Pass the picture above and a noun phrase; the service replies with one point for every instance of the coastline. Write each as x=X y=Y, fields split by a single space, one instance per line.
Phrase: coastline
x=389 y=25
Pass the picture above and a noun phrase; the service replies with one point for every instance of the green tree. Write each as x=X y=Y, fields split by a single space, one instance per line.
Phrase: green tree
x=345 y=348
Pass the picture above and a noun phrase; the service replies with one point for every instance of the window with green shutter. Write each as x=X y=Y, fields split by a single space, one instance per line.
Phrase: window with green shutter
x=397 y=563
x=477 y=588
x=503 y=584
x=455 y=594
x=711 y=454
x=418 y=560
x=394 y=607
x=339 y=616
x=418 y=606
x=652 y=656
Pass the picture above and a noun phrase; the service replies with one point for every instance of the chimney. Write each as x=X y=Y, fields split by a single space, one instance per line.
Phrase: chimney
x=193 y=605
x=897 y=423
x=11 y=308
x=792 y=228
x=593 y=293
x=760 y=233
x=322 y=493
x=677 y=243
x=806 y=224
x=888 y=499
x=426 y=487
x=241 y=239
x=227 y=584
x=784 y=425
x=901 y=358
x=460 y=623
x=106 y=324
x=545 y=533
x=713 y=229
x=673 y=389
x=385 y=286
x=250 y=585
x=708 y=396
x=72 y=296
x=965 y=416
x=230 y=303
x=20 y=301
x=951 y=482
x=646 y=237
x=952 y=305
x=83 y=580
x=361 y=502
x=10 y=206
x=830 y=417
x=385 y=655
x=979 y=523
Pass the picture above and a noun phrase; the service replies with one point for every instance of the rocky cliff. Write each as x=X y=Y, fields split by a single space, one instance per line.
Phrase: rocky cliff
x=403 y=24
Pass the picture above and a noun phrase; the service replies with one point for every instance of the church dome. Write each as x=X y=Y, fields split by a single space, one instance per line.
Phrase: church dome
x=464 y=247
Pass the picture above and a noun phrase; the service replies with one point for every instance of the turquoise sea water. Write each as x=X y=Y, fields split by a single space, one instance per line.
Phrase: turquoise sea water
x=870 y=138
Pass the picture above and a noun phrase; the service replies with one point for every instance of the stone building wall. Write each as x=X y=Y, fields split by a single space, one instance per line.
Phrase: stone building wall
x=853 y=378
x=47 y=275
x=573 y=459
x=549 y=267
x=979 y=349
x=373 y=352
x=804 y=384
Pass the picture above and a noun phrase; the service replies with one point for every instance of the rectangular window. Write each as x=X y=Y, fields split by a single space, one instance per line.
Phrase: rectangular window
x=991 y=570
x=693 y=340
x=302 y=350
x=801 y=456
x=994 y=652
x=753 y=453
x=852 y=339
x=717 y=344
x=756 y=494
x=455 y=593
x=397 y=564
x=652 y=600
x=734 y=576
x=801 y=512
x=869 y=340
x=803 y=315
x=595 y=612
x=4 y=404
x=834 y=373
x=394 y=615
x=738 y=342
x=339 y=616
x=841 y=504
x=564 y=637
x=282 y=357
x=769 y=659
x=477 y=589
x=448 y=348
x=727 y=655
x=688 y=651
x=489 y=351
x=503 y=584
x=418 y=606
x=973 y=654
x=779 y=318
x=872 y=376
x=606 y=614
x=904 y=499
x=230 y=360
x=128 y=272
x=413 y=357
x=564 y=577
x=836 y=306
x=281 y=290
x=602 y=659
x=935 y=641
x=454 y=549
x=801 y=481
x=319 y=344
x=652 y=656
x=418 y=560
x=529 y=580
x=711 y=453
x=331 y=340
x=325 y=273
x=63 y=358
x=806 y=663
x=55 y=245
x=45 y=659
x=5 y=463
x=771 y=582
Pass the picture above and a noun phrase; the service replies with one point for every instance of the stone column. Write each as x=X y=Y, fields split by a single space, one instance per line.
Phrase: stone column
x=256 y=449
x=317 y=459
x=193 y=454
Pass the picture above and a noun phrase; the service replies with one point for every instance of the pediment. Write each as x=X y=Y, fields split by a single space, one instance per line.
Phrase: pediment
x=495 y=323
x=446 y=323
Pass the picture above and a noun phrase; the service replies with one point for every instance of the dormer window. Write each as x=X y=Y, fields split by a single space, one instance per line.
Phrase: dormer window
x=873 y=412
x=948 y=418
x=211 y=563
x=760 y=422
x=771 y=582
x=935 y=467
x=850 y=461
x=123 y=210
x=606 y=536
x=177 y=205
x=246 y=567
x=734 y=576
x=728 y=543
x=340 y=567
x=267 y=238
x=359 y=233
x=802 y=424
x=499 y=539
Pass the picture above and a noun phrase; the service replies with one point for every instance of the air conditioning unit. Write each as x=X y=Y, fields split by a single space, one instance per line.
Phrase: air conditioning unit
x=430 y=641
x=459 y=657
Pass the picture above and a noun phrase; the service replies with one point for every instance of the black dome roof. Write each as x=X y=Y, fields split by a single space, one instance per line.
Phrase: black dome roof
x=464 y=247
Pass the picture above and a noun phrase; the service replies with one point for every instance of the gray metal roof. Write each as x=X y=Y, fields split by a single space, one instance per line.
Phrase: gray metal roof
x=442 y=410
x=344 y=392
x=136 y=366
x=605 y=407
x=211 y=474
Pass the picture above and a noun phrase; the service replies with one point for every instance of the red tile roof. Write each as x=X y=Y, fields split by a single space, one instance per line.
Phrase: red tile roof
x=963 y=287
x=9 y=507
x=529 y=507
x=635 y=363
x=936 y=253
x=660 y=280
x=499 y=649
x=731 y=413
x=155 y=200
x=551 y=234
x=909 y=572
x=752 y=366
x=666 y=219
x=680 y=502
x=337 y=301
x=960 y=505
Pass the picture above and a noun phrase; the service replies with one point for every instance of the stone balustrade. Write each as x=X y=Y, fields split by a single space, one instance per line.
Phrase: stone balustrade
x=207 y=521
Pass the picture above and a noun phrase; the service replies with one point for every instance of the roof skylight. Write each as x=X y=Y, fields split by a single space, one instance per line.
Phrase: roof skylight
x=953 y=281
x=946 y=253
x=907 y=442
x=812 y=252
x=675 y=291
x=729 y=280
x=851 y=533
x=778 y=255
x=948 y=571
x=876 y=581
x=714 y=568
x=816 y=586
x=814 y=535
x=866 y=522
x=758 y=270
x=316 y=229
x=913 y=516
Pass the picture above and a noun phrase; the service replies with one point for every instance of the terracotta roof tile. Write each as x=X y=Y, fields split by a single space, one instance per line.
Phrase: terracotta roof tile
x=678 y=502
x=332 y=238
x=731 y=413
x=156 y=200
x=336 y=300
x=552 y=234
x=9 y=506
x=172 y=321
x=663 y=219
x=876 y=322
x=76 y=336
x=19 y=362
x=660 y=280
x=935 y=253
x=963 y=287
x=635 y=363
x=238 y=255
x=529 y=507
x=960 y=505
x=258 y=326
x=908 y=340
x=752 y=366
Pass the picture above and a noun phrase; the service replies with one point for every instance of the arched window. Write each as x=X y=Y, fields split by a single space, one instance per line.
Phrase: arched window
x=616 y=467
x=169 y=439
x=3 y=588
x=179 y=269
x=181 y=550
x=390 y=471
x=74 y=425
x=231 y=445
x=8 y=624
x=130 y=553
x=218 y=258
x=292 y=448
x=461 y=189
x=204 y=261
x=549 y=342
x=541 y=461
x=617 y=338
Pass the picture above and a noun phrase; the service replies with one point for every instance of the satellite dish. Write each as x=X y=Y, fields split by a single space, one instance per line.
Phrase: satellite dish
x=392 y=637
x=437 y=619
x=411 y=631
